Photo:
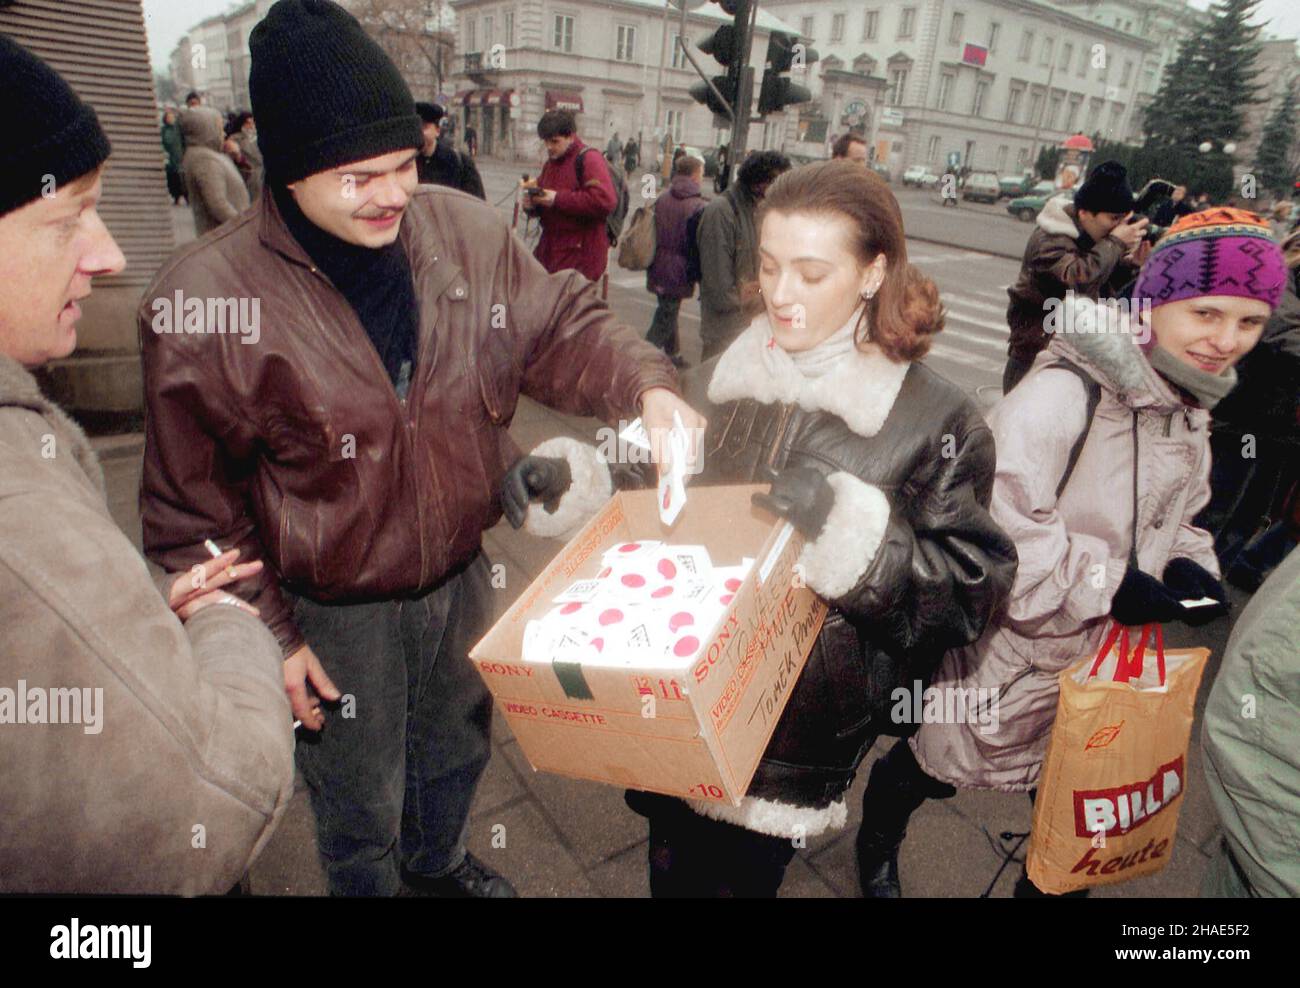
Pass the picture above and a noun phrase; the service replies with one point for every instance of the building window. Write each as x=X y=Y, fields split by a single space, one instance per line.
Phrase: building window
x=1083 y=61
x=1103 y=73
x=679 y=57
x=674 y=123
x=510 y=29
x=897 y=86
x=1013 y=103
x=471 y=34
x=1072 y=114
x=932 y=150
x=977 y=104
x=1022 y=158
x=1053 y=111
x=907 y=23
x=1067 y=54
x=994 y=30
x=1045 y=57
x=562 y=35
x=1002 y=158
x=1035 y=108
x=1116 y=111
x=957 y=28
x=1094 y=111
x=945 y=89
x=1127 y=73
x=488 y=25
x=870 y=25
x=626 y=43
x=837 y=27
x=806 y=27
x=1026 y=46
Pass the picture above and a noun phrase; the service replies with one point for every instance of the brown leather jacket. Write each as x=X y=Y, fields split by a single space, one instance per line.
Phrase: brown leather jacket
x=291 y=443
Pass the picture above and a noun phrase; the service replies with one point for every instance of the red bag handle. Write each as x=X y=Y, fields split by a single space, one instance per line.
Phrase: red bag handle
x=1135 y=665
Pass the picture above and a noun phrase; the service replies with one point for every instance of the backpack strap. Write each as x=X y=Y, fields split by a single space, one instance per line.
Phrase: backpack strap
x=1093 y=391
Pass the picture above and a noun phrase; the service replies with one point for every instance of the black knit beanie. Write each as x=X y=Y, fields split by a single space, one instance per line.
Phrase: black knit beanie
x=324 y=94
x=48 y=131
x=1106 y=190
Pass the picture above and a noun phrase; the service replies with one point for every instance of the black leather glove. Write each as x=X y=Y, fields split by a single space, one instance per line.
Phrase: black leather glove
x=1142 y=599
x=1189 y=580
x=801 y=495
x=534 y=478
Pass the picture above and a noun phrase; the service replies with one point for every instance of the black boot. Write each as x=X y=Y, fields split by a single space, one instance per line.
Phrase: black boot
x=1025 y=889
x=896 y=788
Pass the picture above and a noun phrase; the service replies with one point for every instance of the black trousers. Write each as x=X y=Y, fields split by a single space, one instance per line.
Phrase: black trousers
x=694 y=857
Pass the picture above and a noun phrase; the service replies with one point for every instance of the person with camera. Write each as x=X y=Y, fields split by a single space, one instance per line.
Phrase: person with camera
x=571 y=198
x=1092 y=247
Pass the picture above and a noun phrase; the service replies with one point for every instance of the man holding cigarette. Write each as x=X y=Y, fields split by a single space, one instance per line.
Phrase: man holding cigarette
x=359 y=446
x=140 y=755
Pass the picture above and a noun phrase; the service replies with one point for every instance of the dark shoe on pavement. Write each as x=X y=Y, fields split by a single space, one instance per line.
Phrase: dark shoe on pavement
x=878 y=867
x=1025 y=889
x=471 y=880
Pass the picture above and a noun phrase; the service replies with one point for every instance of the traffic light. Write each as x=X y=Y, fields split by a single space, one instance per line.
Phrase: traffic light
x=777 y=92
x=727 y=47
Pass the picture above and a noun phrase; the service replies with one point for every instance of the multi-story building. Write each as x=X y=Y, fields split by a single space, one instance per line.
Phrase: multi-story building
x=1279 y=69
x=615 y=63
x=990 y=81
x=214 y=58
x=1165 y=23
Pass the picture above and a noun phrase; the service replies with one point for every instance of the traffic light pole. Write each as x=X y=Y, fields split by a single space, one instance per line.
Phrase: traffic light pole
x=746 y=14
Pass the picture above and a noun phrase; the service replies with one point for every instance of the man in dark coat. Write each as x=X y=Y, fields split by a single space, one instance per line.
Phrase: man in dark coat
x=1089 y=247
x=174 y=147
x=439 y=164
x=572 y=211
x=667 y=277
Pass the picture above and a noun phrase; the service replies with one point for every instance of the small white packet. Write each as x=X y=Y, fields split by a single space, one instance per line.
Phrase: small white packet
x=672 y=482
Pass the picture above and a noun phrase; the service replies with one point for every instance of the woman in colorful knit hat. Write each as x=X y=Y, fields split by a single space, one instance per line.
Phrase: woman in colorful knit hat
x=1103 y=460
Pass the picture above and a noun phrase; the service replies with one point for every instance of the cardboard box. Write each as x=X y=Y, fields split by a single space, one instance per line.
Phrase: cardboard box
x=697 y=732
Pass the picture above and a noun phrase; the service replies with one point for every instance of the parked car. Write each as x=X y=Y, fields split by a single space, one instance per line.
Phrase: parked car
x=1014 y=186
x=981 y=187
x=928 y=179
x=882 y=171
x=1026 y=208
x=913 y=175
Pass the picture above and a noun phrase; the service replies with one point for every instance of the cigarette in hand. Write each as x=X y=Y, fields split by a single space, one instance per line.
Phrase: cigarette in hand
x=214 y=551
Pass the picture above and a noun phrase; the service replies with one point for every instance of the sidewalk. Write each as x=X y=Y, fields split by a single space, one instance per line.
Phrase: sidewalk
x=554 y=836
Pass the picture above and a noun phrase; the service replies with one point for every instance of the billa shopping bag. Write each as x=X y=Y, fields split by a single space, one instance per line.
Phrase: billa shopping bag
x=1116 y=765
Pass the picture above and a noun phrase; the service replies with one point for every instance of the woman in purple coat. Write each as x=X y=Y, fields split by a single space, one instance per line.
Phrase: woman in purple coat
x=667 y=276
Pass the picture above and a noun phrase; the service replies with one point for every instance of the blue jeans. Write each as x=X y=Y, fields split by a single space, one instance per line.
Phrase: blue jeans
x=393 y=772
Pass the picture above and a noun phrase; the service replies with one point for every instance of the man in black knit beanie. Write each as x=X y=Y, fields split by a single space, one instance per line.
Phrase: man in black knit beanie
x=330 y=378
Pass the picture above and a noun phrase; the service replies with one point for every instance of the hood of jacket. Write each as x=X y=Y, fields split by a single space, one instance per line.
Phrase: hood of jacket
x=1058 y=218
x=1111 y=356
x=684 y=187
x=202 y=127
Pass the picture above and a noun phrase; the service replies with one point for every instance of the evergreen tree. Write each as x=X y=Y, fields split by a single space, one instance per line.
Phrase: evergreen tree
x=1274 y=164
x=1210 y=82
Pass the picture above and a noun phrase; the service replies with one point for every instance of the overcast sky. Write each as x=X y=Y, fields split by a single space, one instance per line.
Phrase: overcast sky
x=168 y=20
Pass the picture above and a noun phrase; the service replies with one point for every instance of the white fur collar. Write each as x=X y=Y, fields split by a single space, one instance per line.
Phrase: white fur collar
x=860 y=390
x=1053 y=218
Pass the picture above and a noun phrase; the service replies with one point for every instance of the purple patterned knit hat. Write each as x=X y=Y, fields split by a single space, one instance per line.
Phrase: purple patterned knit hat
x=1218 y=251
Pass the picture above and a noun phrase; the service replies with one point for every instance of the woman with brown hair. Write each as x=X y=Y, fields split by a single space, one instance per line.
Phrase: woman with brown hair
x=885 y=469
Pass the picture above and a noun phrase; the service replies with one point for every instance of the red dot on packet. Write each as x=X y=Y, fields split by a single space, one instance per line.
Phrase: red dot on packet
x=598 y=644
x=667 y=568
x=686 y=646
x=662 y=592
x=629 y=547
x=732 y=584
x=726 y=598
x=611 y=616
x=570 y=608
x=680 y=620
x=633 y=580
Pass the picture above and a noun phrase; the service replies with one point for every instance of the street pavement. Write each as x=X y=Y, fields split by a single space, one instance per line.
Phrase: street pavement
x=567 y=837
